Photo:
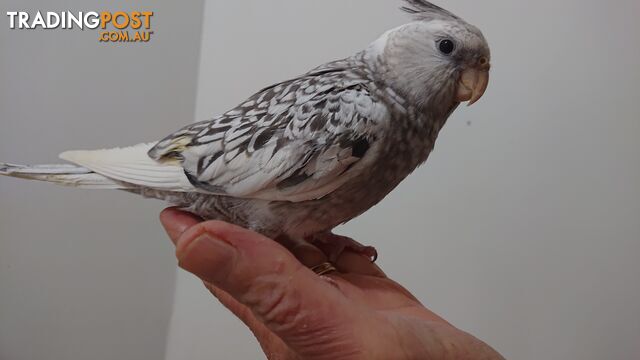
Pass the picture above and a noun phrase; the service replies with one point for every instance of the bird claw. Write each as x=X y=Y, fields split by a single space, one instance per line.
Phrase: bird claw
x=334 y=245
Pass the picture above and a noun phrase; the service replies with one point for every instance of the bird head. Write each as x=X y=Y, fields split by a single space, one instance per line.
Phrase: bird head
x=438 y=59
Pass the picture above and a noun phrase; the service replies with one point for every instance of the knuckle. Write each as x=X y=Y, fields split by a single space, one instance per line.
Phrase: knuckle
x=277 y=300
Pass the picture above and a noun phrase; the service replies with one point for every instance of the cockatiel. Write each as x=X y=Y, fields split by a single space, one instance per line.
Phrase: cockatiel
x=302 y=156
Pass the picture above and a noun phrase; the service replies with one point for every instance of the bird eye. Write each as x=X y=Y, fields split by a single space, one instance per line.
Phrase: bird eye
x=446 y=46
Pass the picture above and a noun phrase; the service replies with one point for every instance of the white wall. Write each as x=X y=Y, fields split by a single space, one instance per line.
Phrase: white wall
x=87 y=275
x=523 y=227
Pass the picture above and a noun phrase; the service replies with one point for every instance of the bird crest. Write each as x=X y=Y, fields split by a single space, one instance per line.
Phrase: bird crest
x=426 y=11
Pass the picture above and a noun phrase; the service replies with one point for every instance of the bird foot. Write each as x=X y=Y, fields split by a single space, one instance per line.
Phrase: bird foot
x=334 y=245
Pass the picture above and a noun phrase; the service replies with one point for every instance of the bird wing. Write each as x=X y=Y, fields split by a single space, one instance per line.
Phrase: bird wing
x=295 y=141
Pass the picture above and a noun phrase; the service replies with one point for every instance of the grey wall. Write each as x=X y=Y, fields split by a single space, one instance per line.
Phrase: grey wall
x=523 y=227
x=87 y=275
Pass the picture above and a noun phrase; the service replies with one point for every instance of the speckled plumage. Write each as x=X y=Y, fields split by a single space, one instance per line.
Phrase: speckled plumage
x=303 y=156
x=337 y=143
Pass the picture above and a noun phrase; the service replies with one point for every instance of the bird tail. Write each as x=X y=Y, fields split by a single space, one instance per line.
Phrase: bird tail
x=127 y=168
x=68 y=175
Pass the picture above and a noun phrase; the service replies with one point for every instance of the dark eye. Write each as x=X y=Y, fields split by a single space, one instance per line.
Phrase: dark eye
x=446 y=46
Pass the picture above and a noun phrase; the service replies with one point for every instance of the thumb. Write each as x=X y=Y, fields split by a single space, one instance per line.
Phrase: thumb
x=309 y=314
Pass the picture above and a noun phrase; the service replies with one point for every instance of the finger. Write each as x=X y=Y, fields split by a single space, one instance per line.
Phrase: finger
x=270 y=343
x=299 y=307
x=353 y=263
x=176 y=222
x=308 y=255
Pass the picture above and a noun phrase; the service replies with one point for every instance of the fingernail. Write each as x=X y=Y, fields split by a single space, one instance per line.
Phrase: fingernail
x=206 y=257
x=174 y=230
x=176 y=222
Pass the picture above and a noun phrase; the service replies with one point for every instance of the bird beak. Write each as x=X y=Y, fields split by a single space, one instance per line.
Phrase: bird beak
x=472 y=84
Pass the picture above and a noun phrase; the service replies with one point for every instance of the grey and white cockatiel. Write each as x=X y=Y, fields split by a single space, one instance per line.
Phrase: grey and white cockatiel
x=305 y=155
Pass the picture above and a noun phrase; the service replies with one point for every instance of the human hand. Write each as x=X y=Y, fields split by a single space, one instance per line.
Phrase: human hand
x=353 y=313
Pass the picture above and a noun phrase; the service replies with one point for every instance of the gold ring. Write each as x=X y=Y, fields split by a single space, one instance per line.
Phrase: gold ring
x=323 y=268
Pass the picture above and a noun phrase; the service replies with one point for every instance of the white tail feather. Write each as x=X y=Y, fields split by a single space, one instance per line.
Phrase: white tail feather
x=132 y=165
x=68 y=175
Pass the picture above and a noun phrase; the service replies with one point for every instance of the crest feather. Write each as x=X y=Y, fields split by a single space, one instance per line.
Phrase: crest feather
x=426 y=11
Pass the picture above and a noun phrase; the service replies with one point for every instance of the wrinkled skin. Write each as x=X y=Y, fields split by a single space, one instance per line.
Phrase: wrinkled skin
x=354 y=313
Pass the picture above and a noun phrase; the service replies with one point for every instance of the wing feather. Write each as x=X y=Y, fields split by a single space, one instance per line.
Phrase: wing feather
x=295 y=141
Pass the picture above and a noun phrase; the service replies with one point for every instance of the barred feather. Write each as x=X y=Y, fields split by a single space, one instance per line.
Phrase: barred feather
x=294 y=141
